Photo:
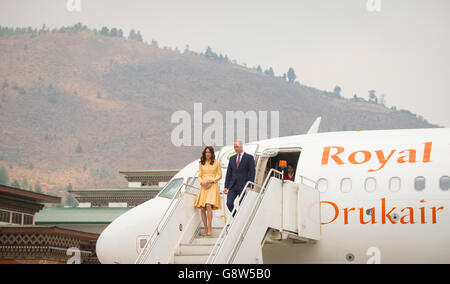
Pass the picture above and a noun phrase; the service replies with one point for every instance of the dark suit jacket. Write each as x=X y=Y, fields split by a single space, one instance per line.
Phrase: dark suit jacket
x=237 y=177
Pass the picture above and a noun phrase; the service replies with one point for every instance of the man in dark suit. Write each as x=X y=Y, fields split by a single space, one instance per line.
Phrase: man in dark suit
x=241 y=169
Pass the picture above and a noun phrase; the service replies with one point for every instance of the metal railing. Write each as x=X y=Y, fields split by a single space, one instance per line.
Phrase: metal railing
x=309 y=180
x=224 y=233
x=161 y=225
x=252 y=214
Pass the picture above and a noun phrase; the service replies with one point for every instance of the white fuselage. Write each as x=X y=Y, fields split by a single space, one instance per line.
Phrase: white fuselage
x=384 y=199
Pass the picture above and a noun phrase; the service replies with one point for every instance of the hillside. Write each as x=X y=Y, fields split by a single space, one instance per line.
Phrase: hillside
x=114 y=98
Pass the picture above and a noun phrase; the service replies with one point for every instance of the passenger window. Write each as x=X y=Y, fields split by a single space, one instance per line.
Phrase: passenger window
x=322 y=185
x=346 y=185
x=444 y=183
x=395 y=184
x=370 y=184
x=419 y=183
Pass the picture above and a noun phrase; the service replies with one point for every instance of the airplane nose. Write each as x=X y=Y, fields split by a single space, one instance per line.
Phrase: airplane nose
x=119 y=242
x=104 y=245
x=113 y=240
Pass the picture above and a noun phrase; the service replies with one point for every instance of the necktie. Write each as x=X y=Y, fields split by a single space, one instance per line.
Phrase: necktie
x=238 y=161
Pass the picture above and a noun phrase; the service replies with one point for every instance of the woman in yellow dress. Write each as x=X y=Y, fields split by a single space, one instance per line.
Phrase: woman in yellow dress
x=208 y=199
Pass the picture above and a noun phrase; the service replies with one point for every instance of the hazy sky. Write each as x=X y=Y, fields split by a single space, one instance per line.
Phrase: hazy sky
x=401 y=51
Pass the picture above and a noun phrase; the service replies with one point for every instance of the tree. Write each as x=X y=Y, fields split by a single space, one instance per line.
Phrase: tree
x=104 y=31
x=337 y=91
x=209 y=53
x=113 y=32
x=24 y=184
x=38 y=188
x=15 y=184
x=4 y=179
x=132 y=35
x=135 y=36
x=139 y=36
x=372 y=96
x=259 y=69
x=269 y=72
x=71 y=201
x=78 y=148
x=291 y=75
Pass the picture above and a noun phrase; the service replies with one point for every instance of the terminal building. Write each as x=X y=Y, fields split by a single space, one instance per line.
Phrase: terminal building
x=30 y=233
x=22 y=241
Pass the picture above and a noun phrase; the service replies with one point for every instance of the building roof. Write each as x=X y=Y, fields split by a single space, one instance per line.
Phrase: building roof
x=120 y=189
x=150 y=172
x=29 y=195
x=78 y=215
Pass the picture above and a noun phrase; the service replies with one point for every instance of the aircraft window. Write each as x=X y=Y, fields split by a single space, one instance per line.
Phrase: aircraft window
x=171 y=188
x=322 y=185
x=370 y=184
x=444 y=183
x=419 y=183
x=346 y=185
x=395 y=184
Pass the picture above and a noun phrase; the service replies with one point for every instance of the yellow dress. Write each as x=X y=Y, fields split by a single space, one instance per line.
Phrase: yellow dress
x=211 y=194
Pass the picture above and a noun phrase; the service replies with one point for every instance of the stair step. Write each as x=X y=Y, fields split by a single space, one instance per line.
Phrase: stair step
x=195 y=249
x=215 y=231
x=204 y=240
x=190 y=259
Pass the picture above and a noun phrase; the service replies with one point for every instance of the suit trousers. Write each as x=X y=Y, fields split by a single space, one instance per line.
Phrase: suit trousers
x=232 y=195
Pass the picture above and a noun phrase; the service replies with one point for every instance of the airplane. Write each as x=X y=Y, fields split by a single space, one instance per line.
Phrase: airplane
x=380 y=196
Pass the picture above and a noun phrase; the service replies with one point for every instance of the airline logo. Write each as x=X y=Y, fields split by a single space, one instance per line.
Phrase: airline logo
x=381 y=213
x=337 y=155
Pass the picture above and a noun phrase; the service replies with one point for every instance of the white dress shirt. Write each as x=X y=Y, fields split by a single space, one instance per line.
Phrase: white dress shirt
x=241 y=154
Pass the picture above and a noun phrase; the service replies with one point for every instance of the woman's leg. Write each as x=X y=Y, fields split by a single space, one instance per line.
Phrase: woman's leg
x=209 y=212
x=203 y=213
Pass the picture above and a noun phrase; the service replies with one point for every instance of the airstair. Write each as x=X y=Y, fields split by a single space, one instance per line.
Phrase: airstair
x=275 y=211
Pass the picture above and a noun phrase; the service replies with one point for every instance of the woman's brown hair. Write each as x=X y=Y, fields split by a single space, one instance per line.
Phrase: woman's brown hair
x=203 y=157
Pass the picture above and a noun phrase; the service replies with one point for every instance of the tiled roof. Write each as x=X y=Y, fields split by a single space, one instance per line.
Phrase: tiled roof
x=78 y=215
x=119 y=189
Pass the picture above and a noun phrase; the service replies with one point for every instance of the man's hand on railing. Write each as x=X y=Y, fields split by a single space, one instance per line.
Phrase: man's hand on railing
x=225 y=190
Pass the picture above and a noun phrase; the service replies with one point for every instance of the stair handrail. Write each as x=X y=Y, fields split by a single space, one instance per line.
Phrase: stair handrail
x=252 y=214
x=310 y=180
x=224 y=229
x=161 y=225
x=227 y=227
